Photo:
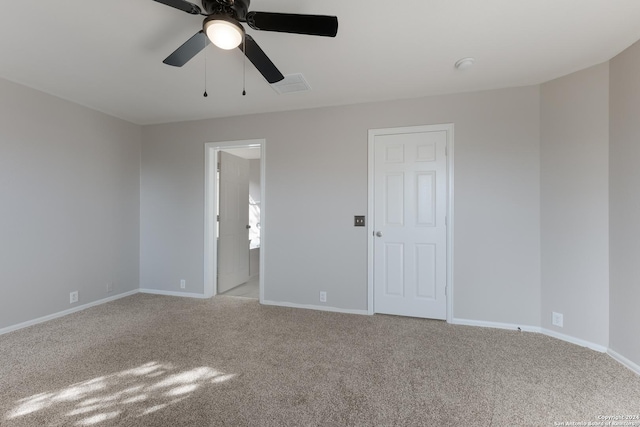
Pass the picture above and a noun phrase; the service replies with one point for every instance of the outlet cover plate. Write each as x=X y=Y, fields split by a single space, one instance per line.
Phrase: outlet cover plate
x=73 y=297
x=323 y=296
x=557 y=319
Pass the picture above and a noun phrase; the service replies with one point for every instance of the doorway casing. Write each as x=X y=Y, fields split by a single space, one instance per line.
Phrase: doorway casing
x=211 y=155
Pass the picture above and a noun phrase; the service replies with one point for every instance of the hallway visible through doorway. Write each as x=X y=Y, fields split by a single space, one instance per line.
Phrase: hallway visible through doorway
x=234 y=218
x=250 y=289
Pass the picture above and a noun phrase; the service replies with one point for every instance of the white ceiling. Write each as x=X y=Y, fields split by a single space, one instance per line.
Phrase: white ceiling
x=108 y=54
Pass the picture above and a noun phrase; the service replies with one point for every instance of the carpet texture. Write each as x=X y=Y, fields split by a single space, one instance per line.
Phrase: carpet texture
x=149 y=360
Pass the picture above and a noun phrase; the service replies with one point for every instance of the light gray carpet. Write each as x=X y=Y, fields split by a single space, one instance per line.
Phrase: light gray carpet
x=150 y=360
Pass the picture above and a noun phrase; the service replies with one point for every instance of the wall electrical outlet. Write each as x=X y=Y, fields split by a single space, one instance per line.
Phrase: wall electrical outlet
x=183 y=284
x=557 y=319
x=109 y=286
x=73 y=297
x=323 y=296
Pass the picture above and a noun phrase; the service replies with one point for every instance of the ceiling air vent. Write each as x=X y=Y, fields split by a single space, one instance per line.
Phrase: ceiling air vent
x=291 y=83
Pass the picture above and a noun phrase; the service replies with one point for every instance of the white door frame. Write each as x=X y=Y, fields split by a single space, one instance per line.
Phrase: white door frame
x=211 y=150
x=448 y=127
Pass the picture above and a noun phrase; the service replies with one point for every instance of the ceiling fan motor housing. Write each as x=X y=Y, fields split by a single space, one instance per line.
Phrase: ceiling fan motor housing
x=236 y=8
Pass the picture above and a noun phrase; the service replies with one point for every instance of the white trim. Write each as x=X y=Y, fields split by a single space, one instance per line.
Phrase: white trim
x=173 y=293
x=263 y=213
x=476 y=323
x=370 y=222
x=449 y=128
x=624 y=361
x=573 y=340
x=526 y=328
x=315 y=307
x=211 y=150
x=495 y=325
x=65 y=312
x=209 y=227
x=450 y=222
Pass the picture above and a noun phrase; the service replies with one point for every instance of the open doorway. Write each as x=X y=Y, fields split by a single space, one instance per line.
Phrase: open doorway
x=234 y=219
x=238 y=215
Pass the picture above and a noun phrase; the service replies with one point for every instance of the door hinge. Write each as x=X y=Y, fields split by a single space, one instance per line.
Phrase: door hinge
x=218 y=218
x=446 y=150
x=446 y=220
x=445 y=291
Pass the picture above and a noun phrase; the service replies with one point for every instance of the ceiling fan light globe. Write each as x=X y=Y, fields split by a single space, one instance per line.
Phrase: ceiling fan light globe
x=223 y=33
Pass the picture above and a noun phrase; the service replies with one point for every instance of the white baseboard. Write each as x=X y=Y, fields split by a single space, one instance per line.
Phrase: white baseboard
x=65 y=312
x=623 y=360
x=314 y=307
x=173 y=294
x=496 y=325
x=455 y=321
x=574 y=340
x=536 y=329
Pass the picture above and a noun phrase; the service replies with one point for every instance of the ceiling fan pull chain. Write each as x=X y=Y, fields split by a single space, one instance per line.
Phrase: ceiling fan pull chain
x=205 y=70
x=244 y=66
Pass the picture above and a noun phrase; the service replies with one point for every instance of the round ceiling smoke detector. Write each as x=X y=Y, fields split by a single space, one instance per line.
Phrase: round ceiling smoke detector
x=464 y=63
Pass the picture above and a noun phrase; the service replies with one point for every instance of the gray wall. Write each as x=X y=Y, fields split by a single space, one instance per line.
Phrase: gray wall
x=316 y=180
x=69 y=204
x=574 y=166
x=625 y=204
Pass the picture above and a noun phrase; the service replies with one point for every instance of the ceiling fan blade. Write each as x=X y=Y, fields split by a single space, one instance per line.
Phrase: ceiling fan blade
x=261 y=61
x=182 y=5
x=315 y=25
x=188 y=50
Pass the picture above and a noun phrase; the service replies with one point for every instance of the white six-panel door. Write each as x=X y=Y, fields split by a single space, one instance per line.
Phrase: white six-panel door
x=409 y=222
x=233 y=239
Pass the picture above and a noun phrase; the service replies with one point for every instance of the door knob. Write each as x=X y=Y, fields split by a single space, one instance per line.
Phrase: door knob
x=248 y=227
x=379 y=233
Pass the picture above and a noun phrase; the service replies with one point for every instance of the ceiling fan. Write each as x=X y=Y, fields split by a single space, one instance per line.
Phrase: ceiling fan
x=222 y=26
